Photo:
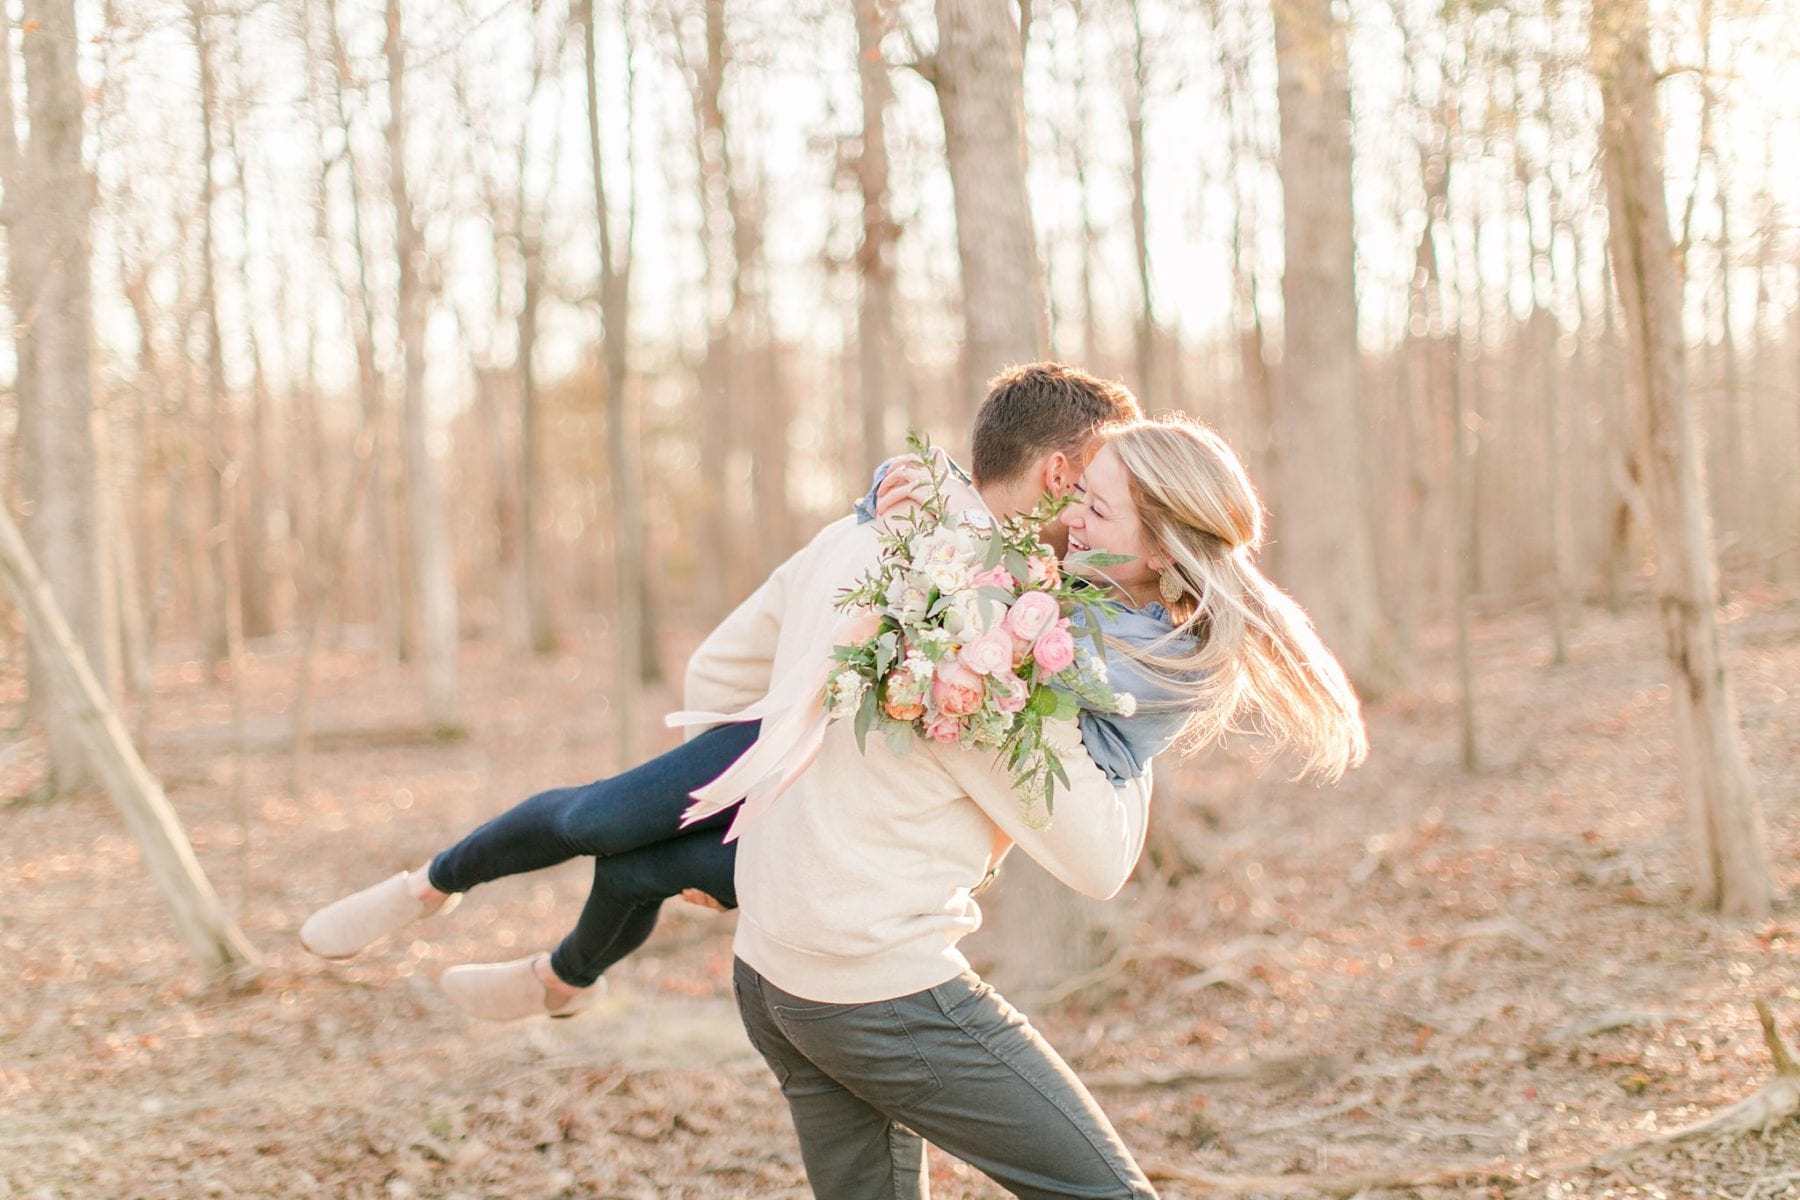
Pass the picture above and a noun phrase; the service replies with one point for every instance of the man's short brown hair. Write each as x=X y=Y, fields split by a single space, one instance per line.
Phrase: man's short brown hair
x=1040 y=408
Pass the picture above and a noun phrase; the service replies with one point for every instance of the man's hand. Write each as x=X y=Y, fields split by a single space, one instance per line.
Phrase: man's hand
x=696 y=896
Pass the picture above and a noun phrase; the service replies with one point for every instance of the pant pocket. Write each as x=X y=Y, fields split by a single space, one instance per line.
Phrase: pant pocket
x=866 y=1047
x=752 y=1015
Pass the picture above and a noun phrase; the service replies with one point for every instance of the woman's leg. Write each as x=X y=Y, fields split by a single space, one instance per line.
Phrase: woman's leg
x=627 y=896
x=609 y=817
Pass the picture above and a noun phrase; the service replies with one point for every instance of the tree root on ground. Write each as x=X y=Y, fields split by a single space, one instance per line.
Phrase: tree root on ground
x=1775 y=1102
x=1297 y=1068
x=1337 y=1184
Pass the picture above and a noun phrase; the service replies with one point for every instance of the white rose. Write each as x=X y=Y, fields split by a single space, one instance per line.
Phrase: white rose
x=907 y=597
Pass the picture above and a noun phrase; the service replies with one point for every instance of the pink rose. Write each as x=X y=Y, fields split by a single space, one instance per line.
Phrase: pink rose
x=1030 y=615
x=1012 y=693
x=1043 y=570
x=988 y=654
x=945 y=728
x=956 y=690
x=1055 y=650
x=998 y=577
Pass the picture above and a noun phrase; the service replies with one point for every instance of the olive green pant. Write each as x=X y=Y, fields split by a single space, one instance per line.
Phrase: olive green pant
x=955 y=1064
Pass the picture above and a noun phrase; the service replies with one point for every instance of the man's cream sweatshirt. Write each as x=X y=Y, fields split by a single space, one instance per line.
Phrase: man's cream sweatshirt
x=855 y=885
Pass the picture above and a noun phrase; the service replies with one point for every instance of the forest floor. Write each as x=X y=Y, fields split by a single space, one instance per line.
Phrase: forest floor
x=1419 y=982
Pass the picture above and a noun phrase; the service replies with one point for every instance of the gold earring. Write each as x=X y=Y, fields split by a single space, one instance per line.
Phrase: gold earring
x=1169 y=584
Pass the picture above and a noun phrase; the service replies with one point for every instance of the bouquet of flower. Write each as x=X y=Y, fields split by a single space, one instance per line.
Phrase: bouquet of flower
x=966 y=636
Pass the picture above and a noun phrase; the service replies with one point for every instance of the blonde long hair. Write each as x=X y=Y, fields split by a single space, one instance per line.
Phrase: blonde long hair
x=1257 y=662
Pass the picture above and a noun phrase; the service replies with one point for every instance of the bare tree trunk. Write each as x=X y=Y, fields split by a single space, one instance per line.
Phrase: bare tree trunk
x=1462 y=552
x=977 y=74
x=202 y=922
x=1140 y=217
x=1049 y=932
x=1729 y=508
x=428 y=526
x=256 y=579
x=384 y=562
x=1625 y=459
x=46 y=211
x=874 y=261
x=1729 y=846
x=1262 y=412
x=621 y=439
x=1329 y=555
x=222 y=479
x=540 y=632
x=719 y=542
x=1543 y=337
x=1078 y=160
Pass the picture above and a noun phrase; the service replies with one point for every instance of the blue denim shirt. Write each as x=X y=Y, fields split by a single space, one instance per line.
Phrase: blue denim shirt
x=1120 y=746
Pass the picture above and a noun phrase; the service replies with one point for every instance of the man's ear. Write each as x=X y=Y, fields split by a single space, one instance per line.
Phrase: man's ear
x=1059 y=474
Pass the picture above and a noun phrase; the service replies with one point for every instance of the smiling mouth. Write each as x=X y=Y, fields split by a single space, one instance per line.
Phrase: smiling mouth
x=1076 y=543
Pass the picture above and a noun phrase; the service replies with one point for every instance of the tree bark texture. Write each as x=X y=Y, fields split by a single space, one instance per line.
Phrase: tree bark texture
x=428 y=524
x=47 y=211
x=1328 y=551
x=874 y=258
x=1728 y=843
x=621 y=441
x=1051 y=932
x=977 y=73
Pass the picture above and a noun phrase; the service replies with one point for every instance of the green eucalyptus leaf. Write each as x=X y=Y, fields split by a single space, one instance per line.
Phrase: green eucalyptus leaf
x=865 y=717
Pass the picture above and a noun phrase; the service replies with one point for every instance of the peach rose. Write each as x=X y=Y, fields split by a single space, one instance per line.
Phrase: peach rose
x=904 y=712
x=1043 y=570
x=956 y=690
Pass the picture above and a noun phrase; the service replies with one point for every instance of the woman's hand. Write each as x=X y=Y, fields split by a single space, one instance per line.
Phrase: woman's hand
x=696 y=896
x=905 y=486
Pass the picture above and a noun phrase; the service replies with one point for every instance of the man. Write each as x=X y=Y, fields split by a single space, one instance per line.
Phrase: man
x=854 y=887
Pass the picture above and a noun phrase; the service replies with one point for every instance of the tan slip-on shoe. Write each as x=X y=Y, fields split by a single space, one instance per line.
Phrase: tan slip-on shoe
x=348 y=926
x=511 y=991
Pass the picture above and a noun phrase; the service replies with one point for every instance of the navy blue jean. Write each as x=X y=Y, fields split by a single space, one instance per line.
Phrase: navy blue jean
x=631 y=825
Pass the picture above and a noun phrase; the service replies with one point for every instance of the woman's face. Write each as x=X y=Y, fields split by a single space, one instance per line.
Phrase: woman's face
x=1104 y=517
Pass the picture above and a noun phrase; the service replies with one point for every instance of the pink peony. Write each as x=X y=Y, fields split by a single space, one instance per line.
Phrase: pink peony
x=1055 y=650
x=956 y=690
x=988 y=654
x=1012 y=693
x=1030 y=615
x=945 y=728
x=1044 y=571
x=998 y=577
